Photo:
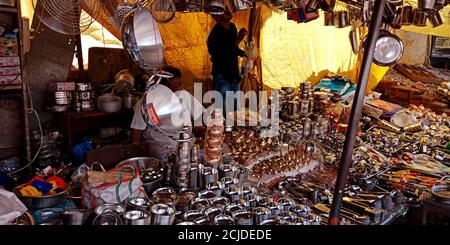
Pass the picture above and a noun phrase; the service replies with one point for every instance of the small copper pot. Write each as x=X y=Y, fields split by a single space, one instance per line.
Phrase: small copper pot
x=329 y=18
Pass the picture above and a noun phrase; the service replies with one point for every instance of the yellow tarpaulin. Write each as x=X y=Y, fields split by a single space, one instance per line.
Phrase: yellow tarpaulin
x=290 y=52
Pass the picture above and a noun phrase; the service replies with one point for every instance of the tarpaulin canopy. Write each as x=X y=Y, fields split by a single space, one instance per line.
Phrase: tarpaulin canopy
x=290 y=52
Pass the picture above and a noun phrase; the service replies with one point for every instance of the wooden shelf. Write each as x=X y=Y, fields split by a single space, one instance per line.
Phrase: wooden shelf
x=8 y=9
x=11 y=87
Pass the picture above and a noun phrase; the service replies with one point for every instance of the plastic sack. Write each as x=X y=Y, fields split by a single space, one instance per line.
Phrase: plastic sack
x=10 y=207
x=95 y=194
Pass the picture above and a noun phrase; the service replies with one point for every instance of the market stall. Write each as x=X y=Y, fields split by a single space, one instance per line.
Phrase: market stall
x=317 y=149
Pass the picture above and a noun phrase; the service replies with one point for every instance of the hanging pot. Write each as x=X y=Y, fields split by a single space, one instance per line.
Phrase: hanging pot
x=214 y=6
x=194 y=5
x=238 y=5
x=329 y=18
x=420 y=18
x=341 y=19
x=407 y=16
x=425 y=4
x=141 y=38
x=435 y=18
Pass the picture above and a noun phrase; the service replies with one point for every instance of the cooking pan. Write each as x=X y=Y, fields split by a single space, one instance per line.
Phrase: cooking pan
x=141 y=38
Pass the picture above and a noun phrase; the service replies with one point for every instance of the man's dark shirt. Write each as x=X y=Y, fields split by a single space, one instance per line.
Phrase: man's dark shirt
x=224 y=52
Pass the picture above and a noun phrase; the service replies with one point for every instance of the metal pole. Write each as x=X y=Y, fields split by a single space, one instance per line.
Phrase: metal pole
x=355 y=114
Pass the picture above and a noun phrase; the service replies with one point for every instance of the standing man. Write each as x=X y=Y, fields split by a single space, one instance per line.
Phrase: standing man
x=223 y=46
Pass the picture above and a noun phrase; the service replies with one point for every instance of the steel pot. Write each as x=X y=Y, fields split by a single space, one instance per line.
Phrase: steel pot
x=186 y=223
x=137 y=217
x=110 y=208
x=212 y=212
x=185 y=198
x=83 y=87
x=108 y=218
x=397 y=19
x=150 y=170
x=217 y=187
x=129 y=101
x=407 y=16
x=137 y=203
x=341 y=19
x=166 y=195
x=109 y=103
x=222 y=219
x=141 y=38
x=243 y=217
x=75 y=216
x=162 y=214
x=230 y=209
x=233 y=193
x=229 y=182
x=220 y=202
x=208 y=175
x=192 y=215
x=228 y=170
x=238 y=5
x=200 y=204
x=203 y=220
x=420 y=18
x=194 y=5
x=207 y=194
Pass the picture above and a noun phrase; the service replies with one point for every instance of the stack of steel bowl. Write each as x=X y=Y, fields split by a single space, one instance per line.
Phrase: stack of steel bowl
x=84 y=97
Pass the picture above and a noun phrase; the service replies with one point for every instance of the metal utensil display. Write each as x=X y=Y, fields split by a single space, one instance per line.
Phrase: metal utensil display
x=141 y=38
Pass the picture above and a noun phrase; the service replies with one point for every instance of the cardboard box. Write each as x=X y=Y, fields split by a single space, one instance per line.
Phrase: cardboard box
x=10 y=61
x=10 y=70
x=10 y=80
x=61 y=86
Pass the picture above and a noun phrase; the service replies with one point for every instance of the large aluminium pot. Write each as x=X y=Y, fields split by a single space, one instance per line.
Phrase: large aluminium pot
x=141 y=38
x=109 y=103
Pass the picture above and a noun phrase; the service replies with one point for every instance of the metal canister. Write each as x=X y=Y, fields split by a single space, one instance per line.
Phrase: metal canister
x=228 y=170
x=208 y=175
x=200 y=204
x=137 y=217
x=212 y=212
x=193 y=176
x=216 y=187
x=233 y=193
x=229 y=182
x=243 y=217
x=223 y=219
x=261 y=214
